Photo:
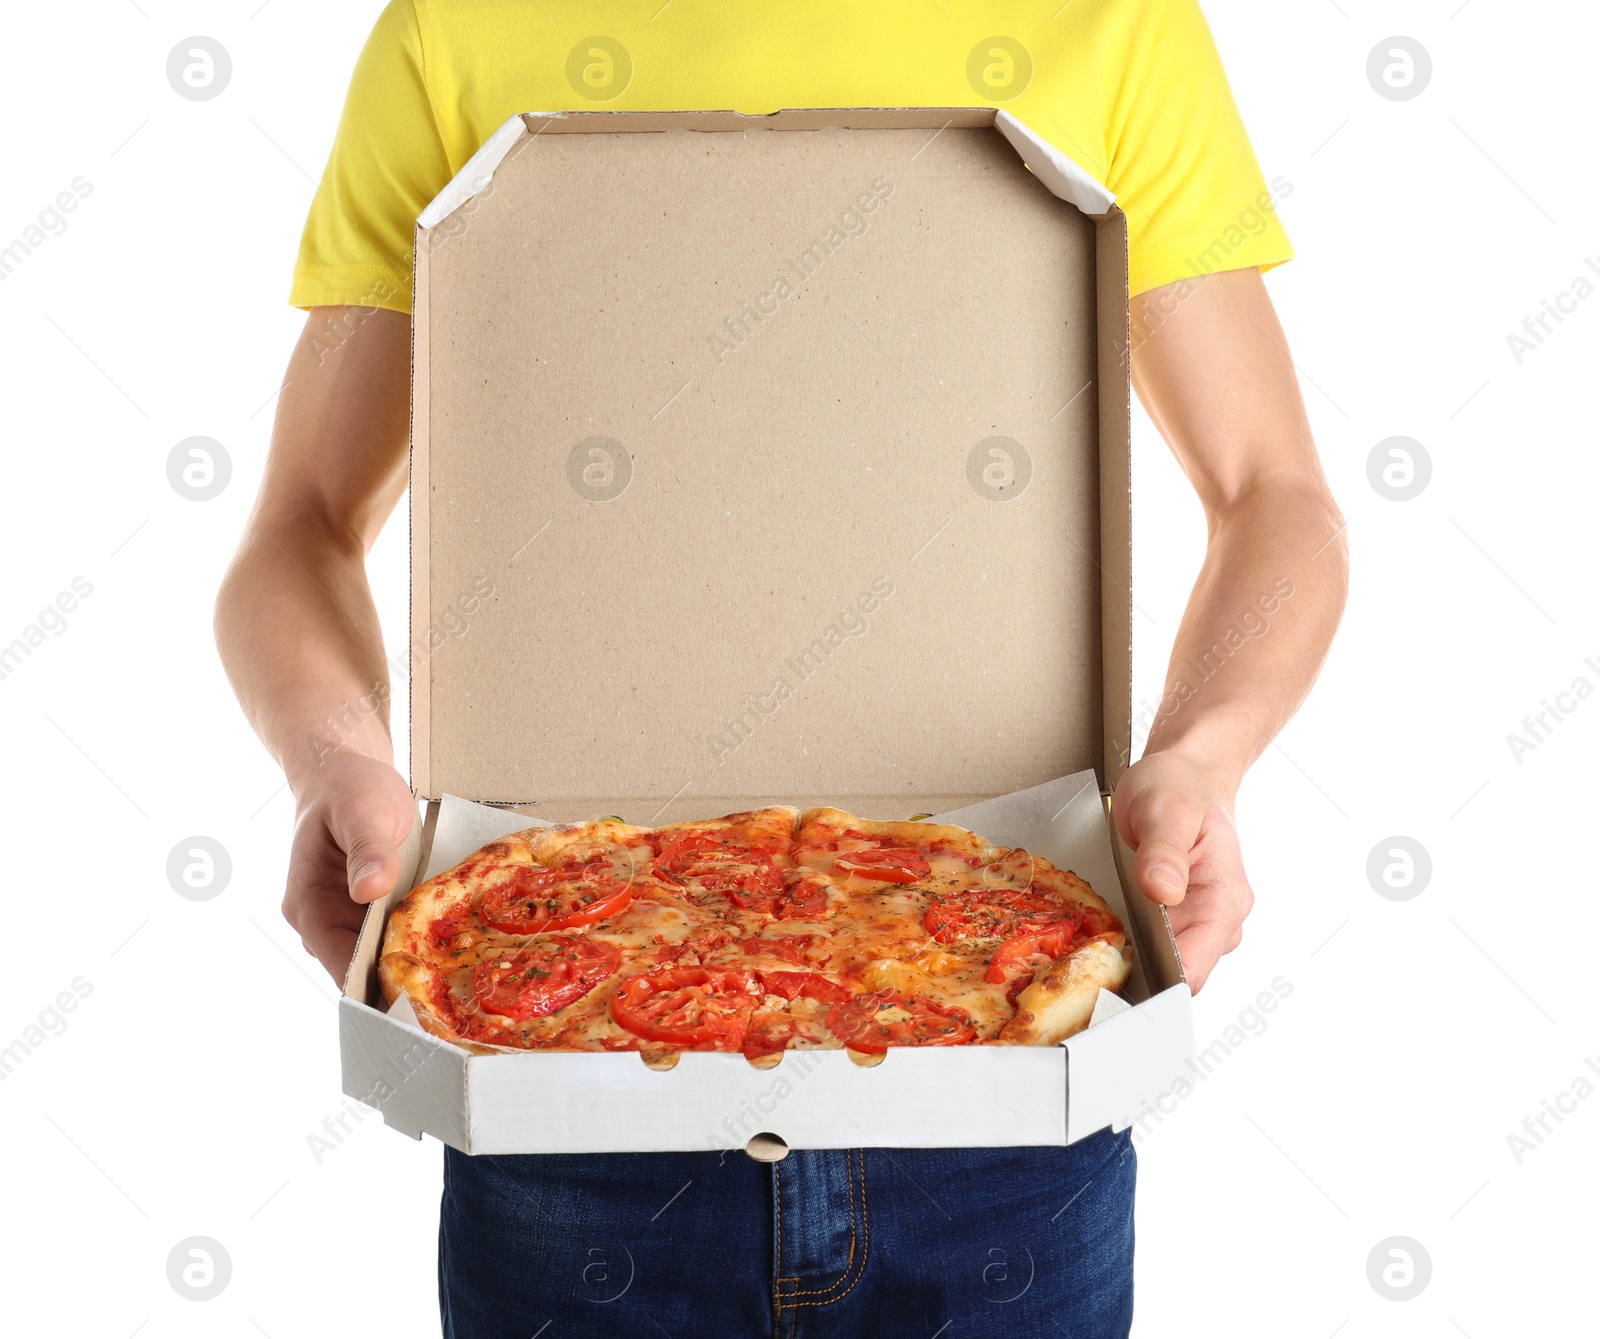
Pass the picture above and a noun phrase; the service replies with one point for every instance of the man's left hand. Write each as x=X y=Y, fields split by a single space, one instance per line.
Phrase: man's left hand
x=1179 y=820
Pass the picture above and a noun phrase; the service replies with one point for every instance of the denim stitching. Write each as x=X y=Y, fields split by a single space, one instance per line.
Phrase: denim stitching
x=866 y=1244
x=777 y=1231
x=850 y=1253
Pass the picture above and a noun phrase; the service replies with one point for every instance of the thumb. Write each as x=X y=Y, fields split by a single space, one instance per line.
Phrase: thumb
x=1161 y=869
x=373 y=867
x=369 y=828
x=1164 y=838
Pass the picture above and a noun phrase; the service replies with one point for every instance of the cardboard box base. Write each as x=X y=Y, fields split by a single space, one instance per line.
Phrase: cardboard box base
x=563 y=1102
x=941 y=1097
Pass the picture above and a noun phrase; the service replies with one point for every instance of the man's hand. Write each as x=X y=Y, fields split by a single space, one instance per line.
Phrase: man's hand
x=1179 y=820
x=352 y=816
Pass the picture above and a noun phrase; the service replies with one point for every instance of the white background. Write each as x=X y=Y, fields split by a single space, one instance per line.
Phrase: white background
x=1418 y=1035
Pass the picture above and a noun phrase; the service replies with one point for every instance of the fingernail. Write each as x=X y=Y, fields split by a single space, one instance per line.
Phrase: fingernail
x=1167 y=876
x=371 y=867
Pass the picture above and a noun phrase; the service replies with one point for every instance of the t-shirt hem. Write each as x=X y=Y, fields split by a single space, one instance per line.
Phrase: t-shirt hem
x=1195 y=257
x=350 y=286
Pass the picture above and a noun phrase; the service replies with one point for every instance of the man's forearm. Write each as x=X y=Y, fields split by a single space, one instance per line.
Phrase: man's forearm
x=300 y=639
x=295 y=620
x=1220 y=385
x=1257 y=627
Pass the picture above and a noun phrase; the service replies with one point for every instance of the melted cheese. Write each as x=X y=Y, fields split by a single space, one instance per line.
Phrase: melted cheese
x=873 y=934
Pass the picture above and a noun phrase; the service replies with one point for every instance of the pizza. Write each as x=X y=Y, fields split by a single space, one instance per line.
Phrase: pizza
x=758 y=932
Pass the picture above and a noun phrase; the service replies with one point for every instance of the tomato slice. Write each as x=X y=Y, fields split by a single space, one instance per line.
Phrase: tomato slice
x=786 y=948
x=991 y=913
x=1012 y=955
x=803 y=900
x=697 y=1008
x=533 y=899
x=885 y=864
x=811 y=985
x=872 y=1023
x=744 y=875
x=773 y=1030
x=545 y=976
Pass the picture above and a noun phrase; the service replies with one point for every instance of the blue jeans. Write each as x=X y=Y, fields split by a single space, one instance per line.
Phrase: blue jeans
x=886 y=1243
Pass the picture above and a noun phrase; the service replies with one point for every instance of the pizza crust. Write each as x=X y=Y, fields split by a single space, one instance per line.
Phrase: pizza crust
x=1060 y=1000
x=576 y=841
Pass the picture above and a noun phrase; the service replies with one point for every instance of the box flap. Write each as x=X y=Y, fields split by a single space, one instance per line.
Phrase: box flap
x=1125 y=1060
x=418 y=1082
x=476 y=174
x=758 y=466
x=1061 y=176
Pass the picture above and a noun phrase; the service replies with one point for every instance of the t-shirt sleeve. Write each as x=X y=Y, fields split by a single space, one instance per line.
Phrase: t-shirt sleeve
x=1179 y=159
x=388 y=161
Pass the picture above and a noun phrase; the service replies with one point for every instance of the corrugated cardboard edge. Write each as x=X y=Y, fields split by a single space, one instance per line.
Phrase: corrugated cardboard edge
x=1116 y=495
x=934 y=119
x=1152 y=927
x=1062 y=176
x=419 y=695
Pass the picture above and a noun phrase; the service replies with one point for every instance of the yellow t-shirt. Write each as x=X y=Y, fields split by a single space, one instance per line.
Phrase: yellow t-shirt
x=1131 y=90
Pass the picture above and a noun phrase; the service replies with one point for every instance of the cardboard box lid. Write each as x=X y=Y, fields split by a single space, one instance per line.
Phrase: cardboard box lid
x=768 y=459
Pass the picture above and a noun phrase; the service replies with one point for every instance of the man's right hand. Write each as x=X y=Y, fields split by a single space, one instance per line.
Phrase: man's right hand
x=353 y=812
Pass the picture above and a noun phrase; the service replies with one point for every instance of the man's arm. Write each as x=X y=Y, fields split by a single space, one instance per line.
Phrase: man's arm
x=1215 y=376
x=296 y=625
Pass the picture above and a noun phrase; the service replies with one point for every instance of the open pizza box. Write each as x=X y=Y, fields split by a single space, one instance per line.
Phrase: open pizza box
x=771 y=460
